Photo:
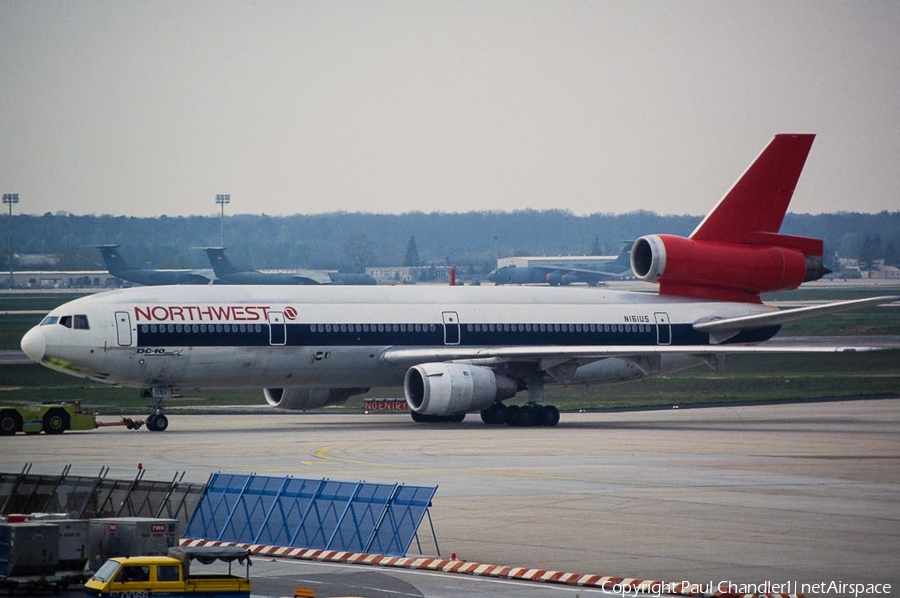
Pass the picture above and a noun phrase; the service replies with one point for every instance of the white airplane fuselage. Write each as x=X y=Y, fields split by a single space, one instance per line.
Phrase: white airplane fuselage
x=276 y=336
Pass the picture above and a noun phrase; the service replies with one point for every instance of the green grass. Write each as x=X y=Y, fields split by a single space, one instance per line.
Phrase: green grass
x=13 y=327
x=35 y=301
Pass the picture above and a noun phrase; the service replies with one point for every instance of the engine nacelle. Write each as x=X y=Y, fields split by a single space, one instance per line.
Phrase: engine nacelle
x=714 y=270
x=305 y=398
x=452 y=388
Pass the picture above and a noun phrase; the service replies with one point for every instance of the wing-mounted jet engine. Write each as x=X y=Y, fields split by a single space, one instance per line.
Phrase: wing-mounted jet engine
x=305 y=398
x=447 y=391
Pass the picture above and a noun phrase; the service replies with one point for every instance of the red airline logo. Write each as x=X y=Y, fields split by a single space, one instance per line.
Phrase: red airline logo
x=208 y=313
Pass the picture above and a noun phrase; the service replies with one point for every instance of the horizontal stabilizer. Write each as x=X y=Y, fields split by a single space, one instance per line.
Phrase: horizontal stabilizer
x=788 y=315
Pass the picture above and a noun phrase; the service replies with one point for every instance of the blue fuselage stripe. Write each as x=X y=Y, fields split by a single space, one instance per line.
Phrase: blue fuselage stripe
x=488 y=335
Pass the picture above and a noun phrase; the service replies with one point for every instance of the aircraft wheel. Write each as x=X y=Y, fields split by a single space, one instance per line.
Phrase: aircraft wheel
x=495 y=415
x=417 y=417
x=56 y=421
x=157 y=423
x=527 y=416
x=512 y=415
x=548 y=415
x=456 y=418
x=10 y=422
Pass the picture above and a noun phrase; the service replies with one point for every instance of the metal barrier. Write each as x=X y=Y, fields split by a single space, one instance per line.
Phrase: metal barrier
x=310 y=513
x=84 y=497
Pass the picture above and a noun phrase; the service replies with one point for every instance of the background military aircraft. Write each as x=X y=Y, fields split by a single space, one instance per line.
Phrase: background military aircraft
x=118 y=267
x=227 y=273
x=562 y=274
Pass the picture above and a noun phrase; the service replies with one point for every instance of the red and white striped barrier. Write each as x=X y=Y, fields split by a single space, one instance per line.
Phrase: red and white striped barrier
x=621 y=585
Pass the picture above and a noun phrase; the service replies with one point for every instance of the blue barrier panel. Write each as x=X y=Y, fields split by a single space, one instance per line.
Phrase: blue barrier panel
x=404 y=515
x=279 y=527
x=304 y=513
x=212 y=512
x=361 y=518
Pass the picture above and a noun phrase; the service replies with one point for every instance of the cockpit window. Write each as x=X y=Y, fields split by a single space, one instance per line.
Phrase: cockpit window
x=49 y=320
x=78 y=322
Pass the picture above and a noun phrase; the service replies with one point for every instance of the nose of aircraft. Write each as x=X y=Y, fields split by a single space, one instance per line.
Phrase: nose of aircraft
x=34 y=344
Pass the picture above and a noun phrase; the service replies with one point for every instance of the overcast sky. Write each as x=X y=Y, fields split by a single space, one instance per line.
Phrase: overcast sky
x=148 y=108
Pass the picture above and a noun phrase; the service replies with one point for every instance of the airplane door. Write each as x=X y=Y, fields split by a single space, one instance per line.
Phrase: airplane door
x=277 y=329
x=123 y=328
x=663 y=328
x=451 y=327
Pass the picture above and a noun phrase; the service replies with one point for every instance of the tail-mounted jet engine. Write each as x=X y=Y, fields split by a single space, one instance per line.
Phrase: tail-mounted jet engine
x=444 y=389
x=304 y=398
x=728 y=271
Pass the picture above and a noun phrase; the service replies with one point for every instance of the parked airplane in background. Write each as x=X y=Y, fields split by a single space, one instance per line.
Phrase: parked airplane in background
x=458 y=350
x=561 y=274
x=226 y=273
x=118 y=267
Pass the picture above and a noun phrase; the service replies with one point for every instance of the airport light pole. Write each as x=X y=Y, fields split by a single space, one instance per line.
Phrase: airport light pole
x=222 y=199
x=10 y=199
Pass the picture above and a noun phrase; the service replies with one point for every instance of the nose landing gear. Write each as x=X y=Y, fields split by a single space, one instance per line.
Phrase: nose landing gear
x=157 y=421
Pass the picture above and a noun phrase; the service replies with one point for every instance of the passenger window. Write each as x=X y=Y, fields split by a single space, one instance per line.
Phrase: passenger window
x=167 y=573
x=81 y=323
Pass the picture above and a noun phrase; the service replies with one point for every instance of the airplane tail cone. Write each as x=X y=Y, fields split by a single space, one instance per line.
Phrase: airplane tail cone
x=815 y=269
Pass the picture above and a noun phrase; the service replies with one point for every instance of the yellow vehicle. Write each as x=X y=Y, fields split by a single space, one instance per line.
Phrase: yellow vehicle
x=171 y=576
x=53 y=418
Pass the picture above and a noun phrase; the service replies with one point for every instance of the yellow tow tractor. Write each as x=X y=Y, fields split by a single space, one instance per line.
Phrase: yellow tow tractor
x=55 y=418
x=171 y=576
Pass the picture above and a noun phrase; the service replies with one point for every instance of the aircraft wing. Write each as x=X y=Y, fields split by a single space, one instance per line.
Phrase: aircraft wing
x=402 y=356
x=591 y=277
x=585 y=274
x=311 y=277
x=601 y=273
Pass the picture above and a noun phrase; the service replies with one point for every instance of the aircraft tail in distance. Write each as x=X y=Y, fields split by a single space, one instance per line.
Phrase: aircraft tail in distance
x=220 y=263
x=736 y=252
x=112 y=258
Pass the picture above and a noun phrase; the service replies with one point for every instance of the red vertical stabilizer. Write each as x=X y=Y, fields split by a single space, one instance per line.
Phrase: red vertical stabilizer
x=736 y=252
x=758 y=201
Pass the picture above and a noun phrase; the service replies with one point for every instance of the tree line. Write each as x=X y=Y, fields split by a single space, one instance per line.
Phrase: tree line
x=353 y=241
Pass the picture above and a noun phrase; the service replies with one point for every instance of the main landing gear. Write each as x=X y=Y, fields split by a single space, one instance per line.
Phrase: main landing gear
x=529 y=414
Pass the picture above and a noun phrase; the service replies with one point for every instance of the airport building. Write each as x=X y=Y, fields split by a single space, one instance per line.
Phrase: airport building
x=61 y=279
